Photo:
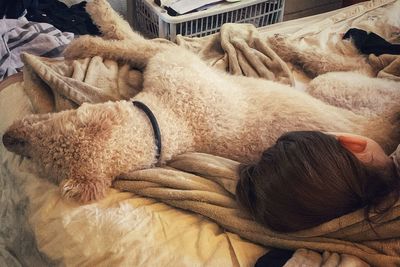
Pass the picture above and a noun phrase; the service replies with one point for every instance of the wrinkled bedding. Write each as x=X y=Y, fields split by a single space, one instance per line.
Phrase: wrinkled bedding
x=39 y=229
x=17 y=243
x=202 y=183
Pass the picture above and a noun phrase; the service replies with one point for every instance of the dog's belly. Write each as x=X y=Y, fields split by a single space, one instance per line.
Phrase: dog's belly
x=264 y=115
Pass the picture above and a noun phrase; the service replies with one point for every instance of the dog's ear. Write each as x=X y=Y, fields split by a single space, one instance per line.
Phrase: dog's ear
x=84 y=189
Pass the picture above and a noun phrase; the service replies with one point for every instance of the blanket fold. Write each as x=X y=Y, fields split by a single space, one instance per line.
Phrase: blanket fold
x=240 y=50
x=387 y=66
x=55 y=85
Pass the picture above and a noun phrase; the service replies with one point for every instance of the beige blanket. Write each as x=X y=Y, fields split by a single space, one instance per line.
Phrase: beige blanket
x=388 y=66
x=240 y=50
x=205 y=184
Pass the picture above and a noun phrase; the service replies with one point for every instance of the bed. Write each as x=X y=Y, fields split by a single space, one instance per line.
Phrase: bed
x=124 y=229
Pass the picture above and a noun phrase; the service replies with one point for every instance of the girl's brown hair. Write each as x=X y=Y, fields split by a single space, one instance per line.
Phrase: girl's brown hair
x=308 y=178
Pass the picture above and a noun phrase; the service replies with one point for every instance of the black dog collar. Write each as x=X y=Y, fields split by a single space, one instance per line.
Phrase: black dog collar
x=154 y=124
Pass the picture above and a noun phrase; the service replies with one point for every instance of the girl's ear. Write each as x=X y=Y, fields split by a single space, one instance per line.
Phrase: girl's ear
x=353 y=143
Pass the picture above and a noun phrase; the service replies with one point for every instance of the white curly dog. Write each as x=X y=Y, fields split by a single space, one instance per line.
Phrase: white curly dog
x=197 y=108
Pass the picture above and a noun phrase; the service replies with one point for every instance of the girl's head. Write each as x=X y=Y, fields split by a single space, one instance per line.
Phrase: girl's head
x=308 y=178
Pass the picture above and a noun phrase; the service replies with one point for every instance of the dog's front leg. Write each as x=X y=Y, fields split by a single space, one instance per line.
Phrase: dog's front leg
x=111 y=24
x=135 y=53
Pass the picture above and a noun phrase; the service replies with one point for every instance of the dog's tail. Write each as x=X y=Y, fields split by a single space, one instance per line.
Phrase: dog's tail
x=385 y=128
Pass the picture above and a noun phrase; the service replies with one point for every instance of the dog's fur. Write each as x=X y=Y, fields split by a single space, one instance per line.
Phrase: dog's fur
x=198 y=109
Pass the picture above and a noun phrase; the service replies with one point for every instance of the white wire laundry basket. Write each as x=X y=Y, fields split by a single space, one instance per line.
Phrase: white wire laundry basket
x=153 y=21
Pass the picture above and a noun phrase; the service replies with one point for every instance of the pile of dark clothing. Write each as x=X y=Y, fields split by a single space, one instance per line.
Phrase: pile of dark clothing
x=383 y=55
x=73 y=19
x=371 y=43
x=39 y=27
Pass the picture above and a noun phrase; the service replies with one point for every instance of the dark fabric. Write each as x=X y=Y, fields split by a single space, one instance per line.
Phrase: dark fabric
x=371 y=43
x=274 y=258
x=13 y=9
x=67 y=19
x=73 y=19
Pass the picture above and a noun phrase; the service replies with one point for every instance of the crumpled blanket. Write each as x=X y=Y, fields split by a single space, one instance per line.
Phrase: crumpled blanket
x=240 y=50
x=388 y=66
x=20 y=35
x=55 y=85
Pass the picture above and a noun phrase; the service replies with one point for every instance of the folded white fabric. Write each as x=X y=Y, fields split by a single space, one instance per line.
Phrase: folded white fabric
x=20 y=35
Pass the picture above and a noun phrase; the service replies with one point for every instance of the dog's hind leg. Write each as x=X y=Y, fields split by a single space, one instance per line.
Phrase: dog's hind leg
x=119 y=41
x=315 y=61
x=374 y=98
x=111 y=24
x=356 y=92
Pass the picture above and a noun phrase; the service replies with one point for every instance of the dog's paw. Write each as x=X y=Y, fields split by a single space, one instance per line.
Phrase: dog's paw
x=82 y=47
x=83 y=191
x=97 y=9
x=97 y=6
x=282 y=46
x=278 y=40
